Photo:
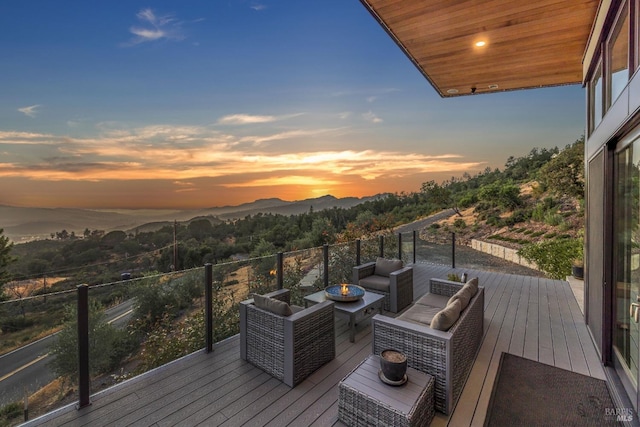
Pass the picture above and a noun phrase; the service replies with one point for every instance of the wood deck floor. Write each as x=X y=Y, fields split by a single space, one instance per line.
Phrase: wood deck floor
x=528 y=316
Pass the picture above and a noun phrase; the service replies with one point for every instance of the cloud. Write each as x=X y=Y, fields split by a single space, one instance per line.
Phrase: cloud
x=249 y=119
x=30 y=110
x=344 y=115
x=309 y=181
x=245 y=119
x=290 y=134
x=153 y=27
x=371 y=117
x=258 y=6
x=183 y=154
x=371 y=99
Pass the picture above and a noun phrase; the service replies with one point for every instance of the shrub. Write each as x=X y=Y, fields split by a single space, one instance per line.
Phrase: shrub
x=10 y=411
x=542 y=208
x=467 y=201
x=494 y=220
x=453 y=277
x=482 y=206
x=14 y=323
x=553 y=257
x=168 y=342
x=553 y=218
x=459 y=223
x=105 y=341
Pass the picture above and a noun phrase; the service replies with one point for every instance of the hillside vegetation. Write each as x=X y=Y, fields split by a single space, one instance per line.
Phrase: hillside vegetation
x=535 y=205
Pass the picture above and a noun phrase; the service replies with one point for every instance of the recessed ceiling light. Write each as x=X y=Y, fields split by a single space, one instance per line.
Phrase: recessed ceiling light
x=452 y=91
x=480 y=43
x=494 y=86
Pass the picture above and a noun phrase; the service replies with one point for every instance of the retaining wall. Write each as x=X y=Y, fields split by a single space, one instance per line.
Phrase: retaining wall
x=502 y=252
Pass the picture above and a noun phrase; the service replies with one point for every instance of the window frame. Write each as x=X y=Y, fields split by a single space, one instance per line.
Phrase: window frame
x=615 y=31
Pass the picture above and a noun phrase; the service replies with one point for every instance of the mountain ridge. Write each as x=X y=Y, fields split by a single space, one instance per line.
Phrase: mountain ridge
x=22 y=224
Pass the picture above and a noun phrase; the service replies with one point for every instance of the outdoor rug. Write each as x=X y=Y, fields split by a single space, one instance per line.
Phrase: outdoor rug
x=528 y=393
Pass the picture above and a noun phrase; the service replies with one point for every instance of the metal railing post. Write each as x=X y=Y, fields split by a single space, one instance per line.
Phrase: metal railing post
x=453 y=249
x=358 y=252
x=415 y=233
x=83 y=346
x=400 y=246
x=325 y=252
x=208 y=298
x=381 y=246
x=279 y=270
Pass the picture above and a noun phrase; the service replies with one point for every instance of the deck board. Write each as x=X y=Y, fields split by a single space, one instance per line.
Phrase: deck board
x=532 y=317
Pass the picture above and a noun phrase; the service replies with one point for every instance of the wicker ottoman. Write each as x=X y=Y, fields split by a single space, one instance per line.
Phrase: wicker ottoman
x=366 y=401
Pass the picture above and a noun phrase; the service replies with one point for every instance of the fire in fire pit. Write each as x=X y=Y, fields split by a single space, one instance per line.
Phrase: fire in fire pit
x=344 y=292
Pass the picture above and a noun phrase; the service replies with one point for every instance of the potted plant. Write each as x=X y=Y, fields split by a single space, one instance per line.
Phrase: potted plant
x=393 y=367
x=577 y=268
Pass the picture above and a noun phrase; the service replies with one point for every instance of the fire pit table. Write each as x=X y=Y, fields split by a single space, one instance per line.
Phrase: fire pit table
x=353 y=312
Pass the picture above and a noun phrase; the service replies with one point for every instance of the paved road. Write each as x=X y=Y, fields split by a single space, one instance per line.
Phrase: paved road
x=26 y=369
x=425 y=222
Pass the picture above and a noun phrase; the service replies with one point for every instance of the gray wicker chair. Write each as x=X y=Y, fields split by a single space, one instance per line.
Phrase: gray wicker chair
x=448 y=356
x=290 y=348
x=397 y=288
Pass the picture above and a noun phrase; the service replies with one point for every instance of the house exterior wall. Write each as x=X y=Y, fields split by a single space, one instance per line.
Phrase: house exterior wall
x=620 y=121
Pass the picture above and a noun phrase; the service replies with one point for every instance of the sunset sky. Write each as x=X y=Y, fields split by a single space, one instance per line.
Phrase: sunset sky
x=187 y=104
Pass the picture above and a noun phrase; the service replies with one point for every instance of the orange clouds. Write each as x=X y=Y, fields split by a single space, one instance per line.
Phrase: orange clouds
x=184 y=158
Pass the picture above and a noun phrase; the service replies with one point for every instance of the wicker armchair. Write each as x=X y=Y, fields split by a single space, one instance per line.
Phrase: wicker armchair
x=396 y=286
x=290 y=348
x=447 y=355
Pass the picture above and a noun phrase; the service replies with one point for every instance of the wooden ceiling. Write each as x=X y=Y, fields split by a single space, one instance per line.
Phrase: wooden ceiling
x=528 y=43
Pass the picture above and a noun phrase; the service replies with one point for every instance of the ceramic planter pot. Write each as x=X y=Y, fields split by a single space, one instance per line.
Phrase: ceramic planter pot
x=393 y=364
x=577 y=271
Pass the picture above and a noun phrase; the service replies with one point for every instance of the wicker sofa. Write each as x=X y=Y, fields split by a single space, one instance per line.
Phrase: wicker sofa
x=290 y=348
x=447 y=355
x=389 y=278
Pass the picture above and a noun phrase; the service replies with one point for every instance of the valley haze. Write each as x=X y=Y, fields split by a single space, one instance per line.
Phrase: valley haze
x=23 y=224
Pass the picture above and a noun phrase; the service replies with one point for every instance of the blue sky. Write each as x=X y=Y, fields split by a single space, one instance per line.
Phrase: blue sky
x=188 y=104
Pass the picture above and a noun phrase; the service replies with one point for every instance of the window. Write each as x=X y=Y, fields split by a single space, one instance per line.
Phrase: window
x=618 y=56
x=595 y=99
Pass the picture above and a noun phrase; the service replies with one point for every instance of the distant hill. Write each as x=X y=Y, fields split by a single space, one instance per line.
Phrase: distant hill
x=277 y=206
x=25 y=224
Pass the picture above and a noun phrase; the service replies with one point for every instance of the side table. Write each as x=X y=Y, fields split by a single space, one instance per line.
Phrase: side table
x=365 y=400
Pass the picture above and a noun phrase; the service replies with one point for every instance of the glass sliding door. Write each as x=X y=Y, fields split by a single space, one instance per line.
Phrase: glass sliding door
x=626 y=263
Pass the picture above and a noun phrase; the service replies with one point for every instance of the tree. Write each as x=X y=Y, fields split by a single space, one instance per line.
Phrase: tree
x=439 y=196
x=199 y=229
x=505 y=195
x=564 y=173
x=322 y=232
x=5 y=260
x=105 y=347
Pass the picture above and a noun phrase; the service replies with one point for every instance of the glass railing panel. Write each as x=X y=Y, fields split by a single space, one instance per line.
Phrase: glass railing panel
x=342 y=259
x=369 y=249
x=302 y=273
x=390 y=246
x=406 y=251
x=29 y=322
x=260 y=273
